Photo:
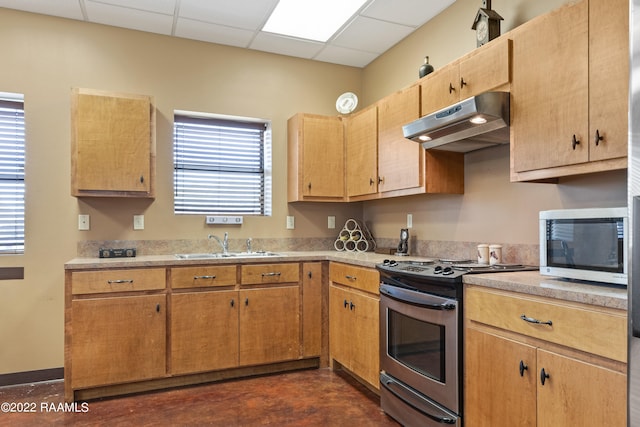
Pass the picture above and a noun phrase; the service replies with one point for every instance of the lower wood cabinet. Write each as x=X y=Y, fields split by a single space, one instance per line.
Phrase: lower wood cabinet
x=527 y=374
x=117 y=340
x=354 y=330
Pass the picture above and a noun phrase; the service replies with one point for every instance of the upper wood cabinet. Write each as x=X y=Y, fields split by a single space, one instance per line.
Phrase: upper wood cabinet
x=315 y=158
x=362 y=152
x=569 y=91
x=486 y=68
x=112 y=144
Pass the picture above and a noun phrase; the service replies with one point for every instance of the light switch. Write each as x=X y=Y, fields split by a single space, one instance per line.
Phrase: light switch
x=331 y=221
x=138 y=222
x=290 y=223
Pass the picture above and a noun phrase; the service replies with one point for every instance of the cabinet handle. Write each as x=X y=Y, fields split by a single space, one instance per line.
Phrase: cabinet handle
x=346 y=304
x=246 y=302
x=275 y=273
x=141 y=179
x=309 y=186
x=203 y=277
x=451 y=88
x=536 y=321
x=462 y=82
x=349 y=277
x=380 y=180
x=543 y=376
x=309 y=275
x=232 y=302
x=371 y=181
x=157 y=308
x=111 y=282
x=574 y=142
x=351 y=305
x=522 y=368
x=598 y=138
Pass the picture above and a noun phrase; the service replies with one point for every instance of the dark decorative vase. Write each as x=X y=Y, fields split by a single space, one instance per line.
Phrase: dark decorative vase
x=426 y=68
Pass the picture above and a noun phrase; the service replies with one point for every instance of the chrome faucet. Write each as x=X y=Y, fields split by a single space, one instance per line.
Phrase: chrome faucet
x=249 y=245
x=223 y=243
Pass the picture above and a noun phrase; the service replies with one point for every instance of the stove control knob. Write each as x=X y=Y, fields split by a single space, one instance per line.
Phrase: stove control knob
x=437 y=269
x=393 y=263
x=447 y=271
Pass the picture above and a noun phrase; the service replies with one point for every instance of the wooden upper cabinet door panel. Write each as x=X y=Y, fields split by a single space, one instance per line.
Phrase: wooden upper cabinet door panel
x=400 y=161
x=362 y=152
x=550 y=99
x=608 y=78
x=440 y=89
x=486 y=68
x=112 y=144
x=323 y=156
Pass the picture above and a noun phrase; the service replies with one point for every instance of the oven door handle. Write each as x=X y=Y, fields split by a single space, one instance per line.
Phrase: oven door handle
x=421 y=299
x=417 y=402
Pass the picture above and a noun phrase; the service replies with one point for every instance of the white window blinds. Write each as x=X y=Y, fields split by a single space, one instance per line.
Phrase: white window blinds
x=220 y=166
x=12 y=147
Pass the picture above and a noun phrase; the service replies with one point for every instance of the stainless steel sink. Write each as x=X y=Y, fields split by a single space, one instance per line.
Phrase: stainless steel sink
x=217 y=255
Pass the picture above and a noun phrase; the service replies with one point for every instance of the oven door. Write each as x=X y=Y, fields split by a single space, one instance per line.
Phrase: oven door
x=419 y=343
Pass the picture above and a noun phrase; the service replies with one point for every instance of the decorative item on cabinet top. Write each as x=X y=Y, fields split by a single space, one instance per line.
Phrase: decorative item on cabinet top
x=355 y=237
x=425 y=68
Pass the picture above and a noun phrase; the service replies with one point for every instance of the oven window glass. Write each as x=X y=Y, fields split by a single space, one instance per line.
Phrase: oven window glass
x=417 y=344
x=588 y=244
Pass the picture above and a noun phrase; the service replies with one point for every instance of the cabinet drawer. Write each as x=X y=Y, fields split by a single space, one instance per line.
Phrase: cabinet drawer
x=94 y=282
x=602 y=332
x=365 y=279
x=203 y=276
x=256 y=274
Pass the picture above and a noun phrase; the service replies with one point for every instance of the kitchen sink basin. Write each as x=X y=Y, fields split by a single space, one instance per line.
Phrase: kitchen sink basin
x=218 y=255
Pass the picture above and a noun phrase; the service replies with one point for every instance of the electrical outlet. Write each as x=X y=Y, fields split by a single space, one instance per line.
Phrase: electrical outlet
x=409 y=220
x=84 y=222
x=331 y=221
x=138 y=222
x=290 y=222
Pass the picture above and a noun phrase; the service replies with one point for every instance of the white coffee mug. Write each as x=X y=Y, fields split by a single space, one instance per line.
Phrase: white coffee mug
x=495 y=254
x=483 y=254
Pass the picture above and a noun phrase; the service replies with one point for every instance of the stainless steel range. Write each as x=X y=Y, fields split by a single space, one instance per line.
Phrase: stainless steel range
x=421 y=308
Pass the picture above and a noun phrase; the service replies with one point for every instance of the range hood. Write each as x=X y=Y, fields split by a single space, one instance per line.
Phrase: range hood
x=477 y=122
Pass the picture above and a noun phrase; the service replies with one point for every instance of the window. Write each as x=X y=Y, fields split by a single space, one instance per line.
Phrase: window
x=11 y=173
x=222 y=165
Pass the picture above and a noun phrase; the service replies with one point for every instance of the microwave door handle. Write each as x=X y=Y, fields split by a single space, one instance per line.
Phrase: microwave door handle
x=416 y=402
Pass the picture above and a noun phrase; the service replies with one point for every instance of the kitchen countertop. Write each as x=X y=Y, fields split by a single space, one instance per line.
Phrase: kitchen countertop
x=527 y=282
x=533 y=283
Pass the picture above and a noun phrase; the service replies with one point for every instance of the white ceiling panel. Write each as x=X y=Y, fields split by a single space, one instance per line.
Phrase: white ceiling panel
x=286 y=45
x=378 y=26
x=413 y=13
x=63 y=8
x=245 y=14
x=214 y=33
x=129 y=18
x=371 y=35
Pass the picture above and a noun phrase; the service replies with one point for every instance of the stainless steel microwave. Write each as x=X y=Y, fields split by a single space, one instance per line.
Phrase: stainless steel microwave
x=585 y=244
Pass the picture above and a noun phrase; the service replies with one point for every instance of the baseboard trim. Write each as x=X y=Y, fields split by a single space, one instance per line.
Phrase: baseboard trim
x=27 y=377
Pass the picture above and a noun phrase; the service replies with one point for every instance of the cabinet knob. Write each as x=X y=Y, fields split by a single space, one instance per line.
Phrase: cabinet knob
x=309 y=274
x=574 y=142
x=371 y=181
x=309 y=186
x=522 y=368
x=543 y=376
x=246 y=301
x=157 y=308
x=232 y=303
x=380 y=179
x=351 y=305
x=451 y=88
x=346 y=304
x=462 y=82
x=598 y=138
x=141 y=179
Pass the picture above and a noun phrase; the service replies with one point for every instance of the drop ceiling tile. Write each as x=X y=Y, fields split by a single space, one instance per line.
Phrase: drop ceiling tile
x=413 y=13
x=274 y=43
x=344 y=56
x=167 y=7
x=63 y=8
x=204 y=31
x=371 y=35
x=129 y=18
x=247 y=14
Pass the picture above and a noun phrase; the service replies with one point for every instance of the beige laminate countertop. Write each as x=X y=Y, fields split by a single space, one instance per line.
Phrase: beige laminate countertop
x=533 y=283
x=528 y=282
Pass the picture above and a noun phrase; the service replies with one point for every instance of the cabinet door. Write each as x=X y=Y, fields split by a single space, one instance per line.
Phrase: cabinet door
x=340 y=326
x=579 y=394
x=608 y=78
x=440 y=89
x=365 y=337
x=118 y=340
x=312 y=309
x=486 y=68
x=362 y=152
x=269 y=325
x=495 y=391
x=204 y=331
x=112 y=149
x=549 y=90
x=400 y=161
